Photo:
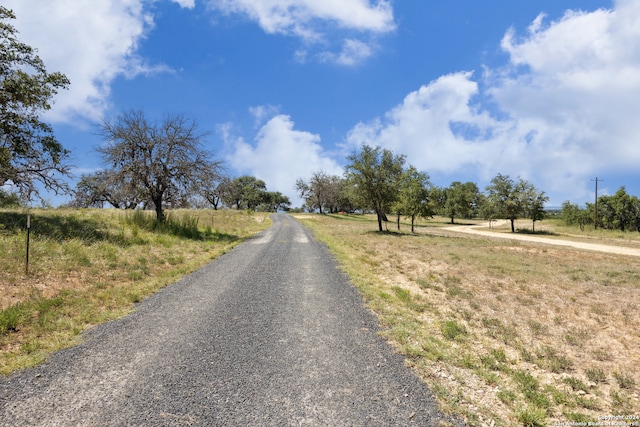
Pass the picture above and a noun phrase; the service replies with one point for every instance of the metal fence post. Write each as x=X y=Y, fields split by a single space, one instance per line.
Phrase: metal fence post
x=26 y=266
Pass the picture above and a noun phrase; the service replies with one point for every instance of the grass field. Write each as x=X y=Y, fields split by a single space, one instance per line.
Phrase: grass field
x=504 y=332
x=91 y=266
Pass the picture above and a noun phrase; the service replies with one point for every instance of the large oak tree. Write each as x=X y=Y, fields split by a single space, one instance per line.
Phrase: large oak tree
x=510 y=199
x=165 y=159
x=375 y=174
x=29 y=152
x=460 y=200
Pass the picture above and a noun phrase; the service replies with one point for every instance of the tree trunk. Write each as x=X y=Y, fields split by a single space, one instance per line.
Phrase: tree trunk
x=452 y=219
x=159 y=211
x=513 y=229
x=398 y=222
x=413 y=218
x=379 y=222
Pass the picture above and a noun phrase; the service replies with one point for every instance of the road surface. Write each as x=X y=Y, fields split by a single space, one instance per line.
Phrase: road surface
x=270 y=333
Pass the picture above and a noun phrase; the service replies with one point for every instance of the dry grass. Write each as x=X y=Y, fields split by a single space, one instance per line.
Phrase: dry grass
x=502 y=331
x=89 y=266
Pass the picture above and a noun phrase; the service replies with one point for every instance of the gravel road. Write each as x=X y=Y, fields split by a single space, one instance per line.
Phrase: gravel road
x=611 y=249
x=271 y=333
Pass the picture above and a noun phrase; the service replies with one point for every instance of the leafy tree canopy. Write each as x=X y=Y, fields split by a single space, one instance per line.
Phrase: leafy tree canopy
x=29 y=152
x=460 y=200
x=413 y=196
x=376 y=174
x=8 y=199
x=511 y=199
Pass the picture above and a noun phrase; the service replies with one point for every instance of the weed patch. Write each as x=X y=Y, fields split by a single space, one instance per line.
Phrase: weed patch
x=10 y=318
x=624 y=381
x=532 y=417
x=453 y=330
x=576 y=384
x=596 y=375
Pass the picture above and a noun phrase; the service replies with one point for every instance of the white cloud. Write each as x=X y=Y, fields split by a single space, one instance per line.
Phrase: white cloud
x=263 y=112
x=432 y=126
x=581 y=89
x=91 y=42
x=300 y=56
x=187 y=4
x=280 y=155
x=299 y=16
x=308 y=20
x=94 y=42
x=566 y=102
x=353 y=52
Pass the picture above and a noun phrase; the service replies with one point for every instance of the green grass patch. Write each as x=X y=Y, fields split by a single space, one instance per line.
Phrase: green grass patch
x=625 y=381
x=578 y=418
x=507 y=397
x=526 y=382
x=10 y=318
x=453 y=330
x=532 y=417
x=88 y=266
x=596 y=375
x=576 y=384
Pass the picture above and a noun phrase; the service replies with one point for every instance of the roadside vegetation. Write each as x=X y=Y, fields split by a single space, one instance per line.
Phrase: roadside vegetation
x=504 y=332
x=88 y=266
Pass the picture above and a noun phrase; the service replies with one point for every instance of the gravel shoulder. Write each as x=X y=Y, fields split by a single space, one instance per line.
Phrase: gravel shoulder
x=271 y=333
x=473 y=229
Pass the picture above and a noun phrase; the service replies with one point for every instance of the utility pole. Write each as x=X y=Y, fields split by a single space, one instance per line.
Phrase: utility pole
x=595 y=214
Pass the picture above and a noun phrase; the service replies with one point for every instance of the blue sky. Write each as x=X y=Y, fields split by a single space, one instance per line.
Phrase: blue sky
x=547 y=90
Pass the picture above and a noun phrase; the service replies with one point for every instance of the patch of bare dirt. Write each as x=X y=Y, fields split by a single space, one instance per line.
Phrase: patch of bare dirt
x=474 y=229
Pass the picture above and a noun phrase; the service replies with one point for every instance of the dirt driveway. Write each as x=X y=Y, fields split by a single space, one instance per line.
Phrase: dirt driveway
x=480 y=230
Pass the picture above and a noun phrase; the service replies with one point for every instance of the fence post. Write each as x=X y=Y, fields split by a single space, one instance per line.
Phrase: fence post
x=26 y=266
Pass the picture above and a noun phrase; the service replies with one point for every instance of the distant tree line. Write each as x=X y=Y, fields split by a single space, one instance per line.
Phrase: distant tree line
x=377 y=180
x=620 y=211
x=160 y=165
